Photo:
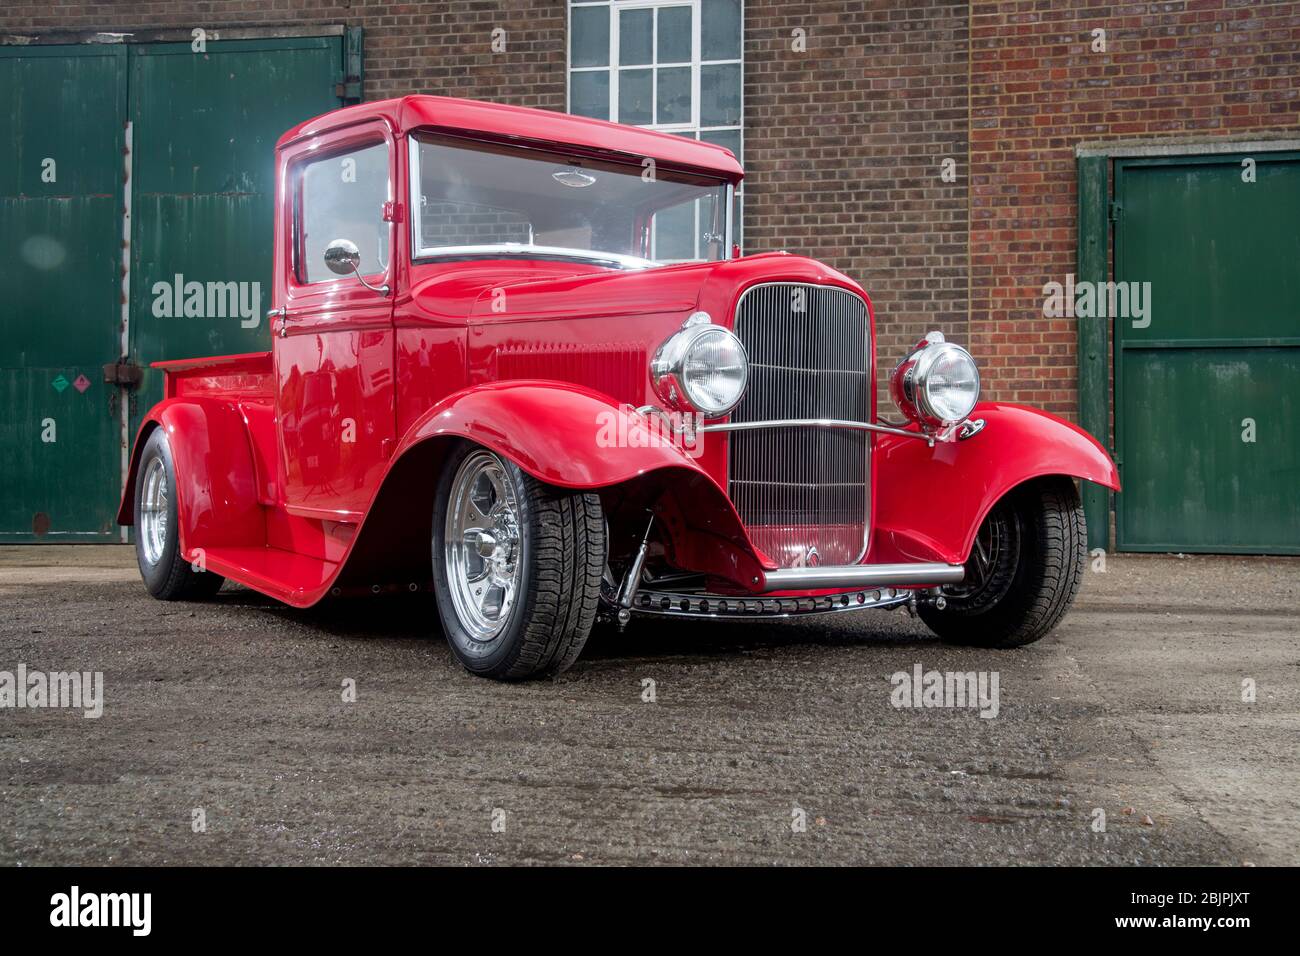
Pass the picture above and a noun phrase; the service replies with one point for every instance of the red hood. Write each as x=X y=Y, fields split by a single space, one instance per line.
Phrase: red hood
x=592 y=326
x=499 y=290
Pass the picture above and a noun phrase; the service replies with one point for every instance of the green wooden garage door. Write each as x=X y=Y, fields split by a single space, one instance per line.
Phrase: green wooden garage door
x=1207 y=413
x=199 y=129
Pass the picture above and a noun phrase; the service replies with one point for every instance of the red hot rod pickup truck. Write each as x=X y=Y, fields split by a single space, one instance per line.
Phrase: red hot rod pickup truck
x=517 y=358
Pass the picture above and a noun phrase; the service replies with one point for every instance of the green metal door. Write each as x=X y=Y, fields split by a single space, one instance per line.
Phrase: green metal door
x=61 y=137
x=172 y=147
x=1207 y=382
x=204 y=128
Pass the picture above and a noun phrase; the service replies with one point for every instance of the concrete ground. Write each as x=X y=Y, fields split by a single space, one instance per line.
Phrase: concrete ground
x=231 y=713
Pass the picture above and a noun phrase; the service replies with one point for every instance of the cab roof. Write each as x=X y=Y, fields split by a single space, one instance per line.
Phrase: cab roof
x=525 y=125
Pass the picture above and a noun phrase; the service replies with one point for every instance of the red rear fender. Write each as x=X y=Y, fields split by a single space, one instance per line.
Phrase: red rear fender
x=217 y=499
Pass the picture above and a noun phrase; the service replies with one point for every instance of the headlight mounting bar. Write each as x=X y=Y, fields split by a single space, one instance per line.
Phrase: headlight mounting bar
x=818 y=423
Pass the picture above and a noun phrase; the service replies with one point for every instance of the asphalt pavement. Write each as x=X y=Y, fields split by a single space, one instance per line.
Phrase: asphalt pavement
x=1157 y=725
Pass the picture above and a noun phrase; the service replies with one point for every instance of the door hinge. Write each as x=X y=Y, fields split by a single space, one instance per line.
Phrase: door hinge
x=1115 y=210
x=123 y=374
x=282 y=314
x=347 y=86
x=393 y=212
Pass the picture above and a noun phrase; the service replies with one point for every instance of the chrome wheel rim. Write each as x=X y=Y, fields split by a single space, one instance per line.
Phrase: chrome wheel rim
x=482 y=546
x=153 y=511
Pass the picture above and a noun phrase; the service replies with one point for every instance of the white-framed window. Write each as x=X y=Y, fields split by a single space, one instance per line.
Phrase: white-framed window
x=670 y=65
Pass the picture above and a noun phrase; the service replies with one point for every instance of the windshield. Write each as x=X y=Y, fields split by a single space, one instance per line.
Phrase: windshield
x=472 y=198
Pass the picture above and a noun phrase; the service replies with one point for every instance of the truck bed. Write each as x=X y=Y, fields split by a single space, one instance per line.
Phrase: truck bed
x=246 y=377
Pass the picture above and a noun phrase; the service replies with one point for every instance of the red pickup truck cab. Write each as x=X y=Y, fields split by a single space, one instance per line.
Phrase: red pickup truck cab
x=516 y=359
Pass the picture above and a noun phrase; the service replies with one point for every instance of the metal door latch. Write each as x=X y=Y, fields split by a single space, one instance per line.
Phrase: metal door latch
x=283 y=314
x=123 y=374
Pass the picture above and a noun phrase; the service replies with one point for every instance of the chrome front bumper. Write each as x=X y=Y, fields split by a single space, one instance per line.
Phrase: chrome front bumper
x=863 y=576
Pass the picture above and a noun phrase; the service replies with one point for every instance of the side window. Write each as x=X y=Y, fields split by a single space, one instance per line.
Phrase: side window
x=342 y=197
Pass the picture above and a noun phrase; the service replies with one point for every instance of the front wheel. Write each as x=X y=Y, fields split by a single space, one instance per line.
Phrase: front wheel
x=516 y=567
x=1023 y=572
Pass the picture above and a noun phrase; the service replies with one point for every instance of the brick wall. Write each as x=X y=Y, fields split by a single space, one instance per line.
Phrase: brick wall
x=1199 y=67
x=843 y=151
x=844 y=142
x=418 y=47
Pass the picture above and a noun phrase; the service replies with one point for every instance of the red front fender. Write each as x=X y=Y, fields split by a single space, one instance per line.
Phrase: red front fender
x=931 y=501
x=564 y=435
x=575 y=437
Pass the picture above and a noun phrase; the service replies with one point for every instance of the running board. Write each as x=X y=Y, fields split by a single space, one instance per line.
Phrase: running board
x=296 y=579
x=863 y=576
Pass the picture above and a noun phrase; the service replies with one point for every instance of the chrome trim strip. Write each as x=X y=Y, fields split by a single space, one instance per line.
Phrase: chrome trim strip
x=812 y=423
x=527 y=250
x=731 y=208
x=862 y=575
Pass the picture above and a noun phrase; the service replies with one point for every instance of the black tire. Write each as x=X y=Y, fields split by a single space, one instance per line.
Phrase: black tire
x=169 y=577
x=561 y=553
x=1018 y=590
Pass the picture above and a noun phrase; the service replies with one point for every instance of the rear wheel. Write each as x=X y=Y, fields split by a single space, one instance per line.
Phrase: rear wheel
x=166 y=573
x=1023 y=572
x=516 y=567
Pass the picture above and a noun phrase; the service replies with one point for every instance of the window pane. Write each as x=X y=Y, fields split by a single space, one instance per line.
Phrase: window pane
x=343 y=198
x=470 y=224
x=729 y=138
x=589 y=37
x=634 y=104
x=589 y=94
x=656 y=84
x=720 y=30
x=675 y=35
x=674 y=95
x=635 y=36
x=675 y=232
x=720 y=95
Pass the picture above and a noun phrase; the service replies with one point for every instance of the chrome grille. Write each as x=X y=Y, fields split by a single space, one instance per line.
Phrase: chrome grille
x=800 y=489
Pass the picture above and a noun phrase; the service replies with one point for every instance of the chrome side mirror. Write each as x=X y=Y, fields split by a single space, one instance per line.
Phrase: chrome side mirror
x=344 y=258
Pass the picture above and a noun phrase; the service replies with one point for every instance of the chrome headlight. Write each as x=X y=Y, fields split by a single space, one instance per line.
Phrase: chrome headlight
x=937 y=384
x=701 y=368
